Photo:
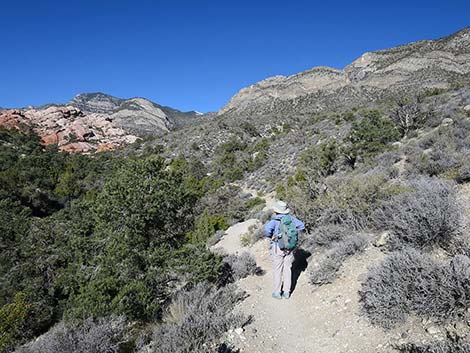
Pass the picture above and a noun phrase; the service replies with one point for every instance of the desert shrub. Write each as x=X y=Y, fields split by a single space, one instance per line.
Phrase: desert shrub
x=326 y=236
x=445 y=151
x=229 y=159
x=255 y=201
x=196 y=319
x=249 y=128
x=386 y=160
x=463 y=173
x=206 y=226
x=436 y=162
x=226 y=201
x=350 y=200
x=410 y=282
x=449 y=345
x=263 y=216
x=259 y=213
x=460 y=245
x=426 y=215
x=241 y=266
x=327 y=269
x=104 y=335
x=321 y=160
x=232 y=145
x=14 y=225
x=140 y=218
x=370 y=135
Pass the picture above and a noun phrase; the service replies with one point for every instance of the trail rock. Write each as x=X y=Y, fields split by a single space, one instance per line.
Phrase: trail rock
x=447 y=121
x=383 y=239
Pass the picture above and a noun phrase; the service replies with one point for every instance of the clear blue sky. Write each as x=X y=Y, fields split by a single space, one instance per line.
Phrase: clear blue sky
x=195 y=54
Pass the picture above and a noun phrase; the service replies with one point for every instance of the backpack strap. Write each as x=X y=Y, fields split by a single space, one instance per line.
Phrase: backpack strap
x=275 y=237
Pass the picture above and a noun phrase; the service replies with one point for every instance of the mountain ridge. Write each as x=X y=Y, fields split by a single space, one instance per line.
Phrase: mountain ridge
x=423 y=64
x=137 y=113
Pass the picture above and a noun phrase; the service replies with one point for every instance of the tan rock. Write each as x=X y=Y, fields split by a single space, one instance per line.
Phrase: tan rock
x=77 y=147
x=106 y=147
x=50 y=139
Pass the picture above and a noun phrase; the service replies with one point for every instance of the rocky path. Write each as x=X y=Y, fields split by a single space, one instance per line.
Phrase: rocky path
x=315 y=319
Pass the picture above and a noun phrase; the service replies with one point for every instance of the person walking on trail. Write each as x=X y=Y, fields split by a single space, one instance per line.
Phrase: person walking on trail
x=283 y=230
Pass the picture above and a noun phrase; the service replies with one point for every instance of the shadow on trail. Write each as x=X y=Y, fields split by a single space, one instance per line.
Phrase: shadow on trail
x=299 y=265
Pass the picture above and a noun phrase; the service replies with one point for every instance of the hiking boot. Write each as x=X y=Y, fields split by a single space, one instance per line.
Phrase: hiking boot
x=276 y=295
x=286 y=295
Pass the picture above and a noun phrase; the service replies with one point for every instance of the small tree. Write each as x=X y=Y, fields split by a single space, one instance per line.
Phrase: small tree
x=407 y=115
x=369 y=136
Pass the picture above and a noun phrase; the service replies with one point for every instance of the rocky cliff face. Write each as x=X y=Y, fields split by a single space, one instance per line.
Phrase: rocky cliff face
x=417 y=66
x=69 y=128
x=135 y=114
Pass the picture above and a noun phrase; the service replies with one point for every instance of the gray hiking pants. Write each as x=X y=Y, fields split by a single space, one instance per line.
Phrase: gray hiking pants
x=282 y=269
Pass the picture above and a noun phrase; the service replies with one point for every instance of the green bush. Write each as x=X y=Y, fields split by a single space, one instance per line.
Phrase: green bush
x=255 y=201
x=370 y=135
x=12 y=318
x=206 y=226
x=321 y=159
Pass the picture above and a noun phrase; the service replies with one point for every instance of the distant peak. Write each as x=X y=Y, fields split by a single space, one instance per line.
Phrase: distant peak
x=94 y=95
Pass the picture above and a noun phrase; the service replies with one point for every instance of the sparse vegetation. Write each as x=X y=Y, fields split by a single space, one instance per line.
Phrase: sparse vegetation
x=103 y=335
x=327 y=268
x=196 y=319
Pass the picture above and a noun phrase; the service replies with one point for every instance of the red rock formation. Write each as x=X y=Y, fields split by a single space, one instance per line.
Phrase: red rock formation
x=12 y=119
x=69 y=128
x=50 y=139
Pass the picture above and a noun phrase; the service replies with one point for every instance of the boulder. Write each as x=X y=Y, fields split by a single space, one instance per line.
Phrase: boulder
x=447 y=121
x=383 y=239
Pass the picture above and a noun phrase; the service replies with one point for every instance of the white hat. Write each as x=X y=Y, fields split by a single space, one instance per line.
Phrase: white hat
x=281 y=207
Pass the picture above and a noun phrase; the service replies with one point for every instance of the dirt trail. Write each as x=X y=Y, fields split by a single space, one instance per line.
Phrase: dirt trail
x=315 y=319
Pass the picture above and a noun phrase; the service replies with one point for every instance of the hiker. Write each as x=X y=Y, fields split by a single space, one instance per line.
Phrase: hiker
x=283 y=230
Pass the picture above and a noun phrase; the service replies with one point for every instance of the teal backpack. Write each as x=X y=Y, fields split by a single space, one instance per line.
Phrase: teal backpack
x=288 y=233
